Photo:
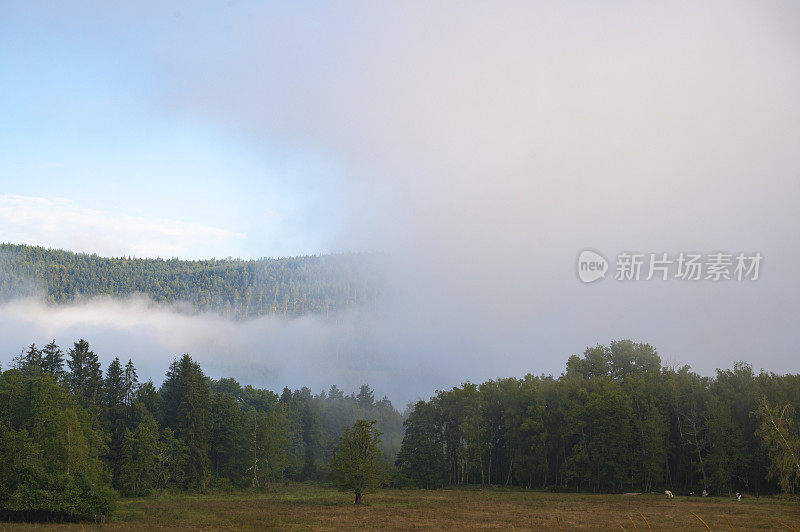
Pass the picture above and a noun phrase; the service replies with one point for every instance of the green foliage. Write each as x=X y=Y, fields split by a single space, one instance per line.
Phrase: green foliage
x=228 y=445
x=235 y=288
x=139 y=459
x=50 y=455
x=357 y=463
x=615 y=421
x=268 y=446
x=53 y=360
x=780 y=436
x=191 y=434
x=172 y=459
x=186 y=396
x=85 y=377
x=422 y=457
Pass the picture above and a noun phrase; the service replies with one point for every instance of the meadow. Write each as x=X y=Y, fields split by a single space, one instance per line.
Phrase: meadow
x=314 y=507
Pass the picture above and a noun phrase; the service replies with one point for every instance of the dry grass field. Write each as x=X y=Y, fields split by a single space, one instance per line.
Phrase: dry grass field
x=305 y=507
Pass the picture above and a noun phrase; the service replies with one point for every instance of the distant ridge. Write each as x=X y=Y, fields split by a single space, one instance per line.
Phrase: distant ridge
x=236 y=288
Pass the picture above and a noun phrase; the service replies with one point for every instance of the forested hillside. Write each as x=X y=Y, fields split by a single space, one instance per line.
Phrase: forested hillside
x=235 y=288
x=73 y=437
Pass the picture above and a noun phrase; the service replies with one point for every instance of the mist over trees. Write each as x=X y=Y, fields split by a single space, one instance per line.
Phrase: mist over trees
x=234 y=288
x=72 y=438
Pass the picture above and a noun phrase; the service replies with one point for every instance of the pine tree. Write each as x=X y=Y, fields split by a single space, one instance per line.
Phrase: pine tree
x=18 y=362
x=53 y=360
x=186 y=397
x=365 y=398
x=116 y=415
x=130 y=384
x=85 y=377
x=33 y=359
x=114 y=385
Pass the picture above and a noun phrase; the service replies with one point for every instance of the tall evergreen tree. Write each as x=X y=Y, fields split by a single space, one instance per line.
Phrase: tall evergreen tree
x=365 y=398
x=116 y=414
x=186 y=396
x=85 y=377
x=33 y=359
x=130 y=384
x=114 y=385
x=53 y=360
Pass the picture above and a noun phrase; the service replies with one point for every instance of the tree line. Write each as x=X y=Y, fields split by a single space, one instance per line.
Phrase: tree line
x=73 y=438
x=235 y=288
x=615 y=421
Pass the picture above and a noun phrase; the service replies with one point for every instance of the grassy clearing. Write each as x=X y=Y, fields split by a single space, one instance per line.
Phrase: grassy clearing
x=305 y=507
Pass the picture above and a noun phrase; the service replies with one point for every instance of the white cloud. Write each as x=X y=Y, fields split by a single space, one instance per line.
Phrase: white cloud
x=61 y=223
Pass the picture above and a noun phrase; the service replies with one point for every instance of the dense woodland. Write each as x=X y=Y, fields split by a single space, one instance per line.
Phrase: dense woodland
x=73 y=438
x=235 y=288
x=615 y=421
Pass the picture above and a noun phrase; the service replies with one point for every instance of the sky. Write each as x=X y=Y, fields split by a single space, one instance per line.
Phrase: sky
x=91 y=132
x=483 y=145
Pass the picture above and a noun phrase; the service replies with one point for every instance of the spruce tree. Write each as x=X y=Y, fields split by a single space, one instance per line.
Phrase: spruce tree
x=53 y=360
x=85 y=377
x=114 y=385
x=33 y=359
x=186 y=395
x=116 y=415
x=365 y=398
x=130 y=384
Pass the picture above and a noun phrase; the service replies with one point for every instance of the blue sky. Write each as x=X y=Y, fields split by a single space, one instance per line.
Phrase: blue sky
x=83 y=118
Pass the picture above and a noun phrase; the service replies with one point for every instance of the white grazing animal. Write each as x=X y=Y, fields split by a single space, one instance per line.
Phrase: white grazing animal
x=668 y=494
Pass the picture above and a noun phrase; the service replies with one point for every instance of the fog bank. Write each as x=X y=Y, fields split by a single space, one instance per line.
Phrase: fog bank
x=483 y=147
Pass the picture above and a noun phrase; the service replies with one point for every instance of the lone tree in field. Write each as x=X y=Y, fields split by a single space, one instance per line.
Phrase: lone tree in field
x=357 y=461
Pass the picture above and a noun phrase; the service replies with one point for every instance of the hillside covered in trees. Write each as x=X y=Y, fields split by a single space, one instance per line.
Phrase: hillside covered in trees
x=235 y=288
